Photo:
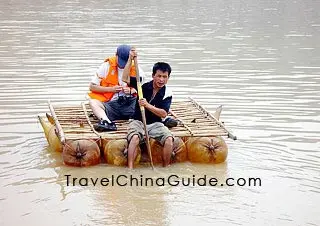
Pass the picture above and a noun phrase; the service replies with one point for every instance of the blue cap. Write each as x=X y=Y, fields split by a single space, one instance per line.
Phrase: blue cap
x=123 y=55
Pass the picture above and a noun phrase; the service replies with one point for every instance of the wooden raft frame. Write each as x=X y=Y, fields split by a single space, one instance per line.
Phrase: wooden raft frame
x=76 y=122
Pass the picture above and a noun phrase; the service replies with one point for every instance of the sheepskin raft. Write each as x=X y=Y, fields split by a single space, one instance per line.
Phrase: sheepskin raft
x=70 y=130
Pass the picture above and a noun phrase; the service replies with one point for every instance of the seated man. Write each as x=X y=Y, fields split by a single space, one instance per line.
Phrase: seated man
x=111 y=98
x=157 y=100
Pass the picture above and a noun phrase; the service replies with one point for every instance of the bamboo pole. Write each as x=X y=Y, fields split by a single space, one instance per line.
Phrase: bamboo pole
x=58 y=126
x=187 y=127
x=230 y=135
x=144 y=120
x=88 y=120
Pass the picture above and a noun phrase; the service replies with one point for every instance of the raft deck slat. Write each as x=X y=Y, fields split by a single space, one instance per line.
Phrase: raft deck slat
x=77 y=122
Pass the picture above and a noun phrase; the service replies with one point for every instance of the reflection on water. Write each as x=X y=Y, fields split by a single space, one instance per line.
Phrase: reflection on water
x=260 y=59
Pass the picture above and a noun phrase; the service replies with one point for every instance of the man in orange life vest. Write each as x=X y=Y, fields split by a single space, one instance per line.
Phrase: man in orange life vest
x=111 y=98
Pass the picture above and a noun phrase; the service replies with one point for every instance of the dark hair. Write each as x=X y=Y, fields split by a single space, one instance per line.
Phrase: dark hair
x=162 y=66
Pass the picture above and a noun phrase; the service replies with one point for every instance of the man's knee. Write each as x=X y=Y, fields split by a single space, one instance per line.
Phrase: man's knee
x=92 y=102
x=134 y=140
x=95 y=103
x=169 y=141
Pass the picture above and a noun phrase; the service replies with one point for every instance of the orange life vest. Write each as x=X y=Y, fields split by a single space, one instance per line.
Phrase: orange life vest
x=110 y=80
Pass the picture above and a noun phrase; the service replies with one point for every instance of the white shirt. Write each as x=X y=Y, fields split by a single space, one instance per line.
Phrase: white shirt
x=102 y=72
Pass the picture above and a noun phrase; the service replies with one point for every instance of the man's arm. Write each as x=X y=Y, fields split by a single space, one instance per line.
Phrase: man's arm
x=161 y=109
x=101 y=89
x=157 y=111
x=95 y=86
x=126 y=70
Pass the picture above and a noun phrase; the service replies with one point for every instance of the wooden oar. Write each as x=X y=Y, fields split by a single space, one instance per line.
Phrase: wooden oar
x=143 y=114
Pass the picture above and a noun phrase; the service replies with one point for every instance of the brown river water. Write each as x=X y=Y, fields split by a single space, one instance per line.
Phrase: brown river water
x=260 y=59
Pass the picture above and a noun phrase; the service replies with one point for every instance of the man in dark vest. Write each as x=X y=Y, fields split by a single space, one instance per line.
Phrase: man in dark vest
x=157 y=100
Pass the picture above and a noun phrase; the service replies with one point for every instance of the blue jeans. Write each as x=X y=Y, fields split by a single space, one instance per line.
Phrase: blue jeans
x=121 y=108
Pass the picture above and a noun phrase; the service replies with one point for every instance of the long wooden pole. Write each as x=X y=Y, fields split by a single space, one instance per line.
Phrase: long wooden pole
x=230 y=135
x=58 y=126
x=143 y=114
x=182 y=122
